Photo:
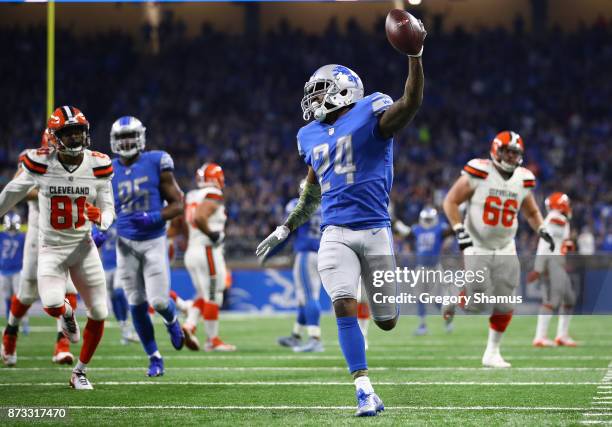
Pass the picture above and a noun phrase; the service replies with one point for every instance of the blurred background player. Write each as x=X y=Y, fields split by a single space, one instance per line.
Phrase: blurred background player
x=143 y=181
x=74 y=192
x=495 y=190
x=205 y=217
x=348 y=149
x=428 y=235
x=107 y=242
x=307 y=283
x=549 y=269
x=28 y=282
x=11 y=257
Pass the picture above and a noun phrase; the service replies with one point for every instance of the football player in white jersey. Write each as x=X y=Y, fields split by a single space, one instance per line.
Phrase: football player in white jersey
x=549 y=269
x=28 y=285
x=205 y=217
x=495 y=191
x=74 y=191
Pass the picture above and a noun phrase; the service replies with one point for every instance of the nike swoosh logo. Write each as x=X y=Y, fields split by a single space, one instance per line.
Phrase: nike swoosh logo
x=376 y=231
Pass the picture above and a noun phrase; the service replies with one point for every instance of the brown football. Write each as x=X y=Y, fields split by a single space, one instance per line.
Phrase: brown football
x=404 y=32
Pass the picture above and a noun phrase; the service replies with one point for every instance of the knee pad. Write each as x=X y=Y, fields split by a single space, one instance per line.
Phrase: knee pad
x=98 y=311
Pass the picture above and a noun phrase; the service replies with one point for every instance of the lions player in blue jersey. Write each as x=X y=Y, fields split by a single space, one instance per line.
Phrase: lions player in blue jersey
x=349 y=152
x=12 y=242
x=307 y=283
x=428 y=235
x=143 y=181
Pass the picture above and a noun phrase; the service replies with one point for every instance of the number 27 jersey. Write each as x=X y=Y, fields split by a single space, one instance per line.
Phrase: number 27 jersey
x=353 y=163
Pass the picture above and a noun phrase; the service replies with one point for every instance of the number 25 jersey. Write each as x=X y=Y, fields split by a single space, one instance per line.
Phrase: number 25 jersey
x=353 y=163
x=136 y=189
x=491 y=216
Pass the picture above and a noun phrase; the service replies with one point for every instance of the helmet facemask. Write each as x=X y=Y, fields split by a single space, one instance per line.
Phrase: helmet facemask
x=508 y=157
x=428 y=217
x=72 y=140
x=127 y=143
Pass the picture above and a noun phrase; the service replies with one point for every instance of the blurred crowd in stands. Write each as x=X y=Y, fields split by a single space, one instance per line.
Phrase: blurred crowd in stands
x=235 y=100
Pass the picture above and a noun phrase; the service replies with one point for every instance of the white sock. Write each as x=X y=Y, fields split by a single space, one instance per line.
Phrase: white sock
x=563 y=326
x=494 y=341
x=314 y=331
x=543 y=322
x=156 y=354
x=212 y=328
x=193 y=315
x=363 y=383
x=59 y=325
x=363 y=325
x=298 y=329
x=80 y=367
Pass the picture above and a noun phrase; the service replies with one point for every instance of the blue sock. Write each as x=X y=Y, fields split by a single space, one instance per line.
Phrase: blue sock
x=421 y=310
x=352 y=343
x=312 y=312
x=144 y=327
x=8 y=307
x=168 y=313
x=301 y=315
x=120 y=305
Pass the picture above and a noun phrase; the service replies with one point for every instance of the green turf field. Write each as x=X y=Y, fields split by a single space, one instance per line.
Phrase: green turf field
x=429 y=380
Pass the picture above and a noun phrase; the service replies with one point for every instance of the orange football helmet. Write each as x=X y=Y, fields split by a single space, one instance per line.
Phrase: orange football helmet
x=507 y=150
x=210 y=174
x=559 y=202
x=69 y=129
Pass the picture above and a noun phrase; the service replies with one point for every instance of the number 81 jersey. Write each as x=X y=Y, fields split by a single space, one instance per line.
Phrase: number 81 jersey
x=492 y=210
x=63 y=194
x=353 y=163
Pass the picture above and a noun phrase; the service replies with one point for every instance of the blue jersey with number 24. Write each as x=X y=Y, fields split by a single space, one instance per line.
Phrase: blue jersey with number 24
x=354 y=165
x=136 y=189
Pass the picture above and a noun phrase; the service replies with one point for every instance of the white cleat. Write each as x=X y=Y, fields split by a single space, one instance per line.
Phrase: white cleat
x=8 y=359
x=494 y=360
x=128 y=335
x=543 y=342
x=63 y=358
x=216 y=344
x=566 y=341
x=79 y=381
x=368 y=405
x=313 y=345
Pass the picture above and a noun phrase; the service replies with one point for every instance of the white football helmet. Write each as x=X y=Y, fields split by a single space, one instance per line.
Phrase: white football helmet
x=127 y=136
x=12 y=222
x=331 y=87
x=428 y=217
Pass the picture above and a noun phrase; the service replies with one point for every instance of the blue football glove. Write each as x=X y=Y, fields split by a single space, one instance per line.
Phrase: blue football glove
x=98 y=237
x=146 y=220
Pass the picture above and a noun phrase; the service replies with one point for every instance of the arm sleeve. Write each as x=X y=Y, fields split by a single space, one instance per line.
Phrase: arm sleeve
x=309 y=201
x=15 y=191
x=105 y=201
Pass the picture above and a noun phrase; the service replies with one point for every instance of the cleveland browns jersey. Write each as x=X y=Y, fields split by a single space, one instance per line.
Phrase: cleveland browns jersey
x=32 y=205
x=491 y=215
x=216 y=222
x=63 y=194
x=559 y=228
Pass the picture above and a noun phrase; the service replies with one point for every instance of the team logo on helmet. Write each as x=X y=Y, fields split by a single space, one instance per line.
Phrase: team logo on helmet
x=210 y=174
x=68 y=130
x=507 y=150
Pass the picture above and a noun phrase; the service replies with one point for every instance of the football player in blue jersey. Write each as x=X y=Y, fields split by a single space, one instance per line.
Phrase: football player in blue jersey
x=143 y=181
x=307 y=283
x=428 y=235
x=348 y=149
x=12 y=242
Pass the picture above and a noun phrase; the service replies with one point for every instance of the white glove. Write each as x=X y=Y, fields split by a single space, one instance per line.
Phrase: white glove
x=277 y=236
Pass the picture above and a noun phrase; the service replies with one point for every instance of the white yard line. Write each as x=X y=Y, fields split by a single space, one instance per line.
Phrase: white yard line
x=308 y=383
x=600 y=403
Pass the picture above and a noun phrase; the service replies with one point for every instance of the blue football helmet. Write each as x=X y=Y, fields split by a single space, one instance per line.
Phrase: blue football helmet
x=12 y=222
x=428 y=217
x=127 y=136
x=331 y=87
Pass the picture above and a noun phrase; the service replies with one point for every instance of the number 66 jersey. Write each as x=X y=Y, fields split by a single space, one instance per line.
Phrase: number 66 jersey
x=491 y=214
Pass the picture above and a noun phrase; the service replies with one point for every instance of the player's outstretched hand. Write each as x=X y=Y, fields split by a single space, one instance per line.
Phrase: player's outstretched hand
x=217 y=237
x=544 y=234
x=463 y=237
x=146 y=220
x=93 y=213
x=98 y=237
x=274 y=239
